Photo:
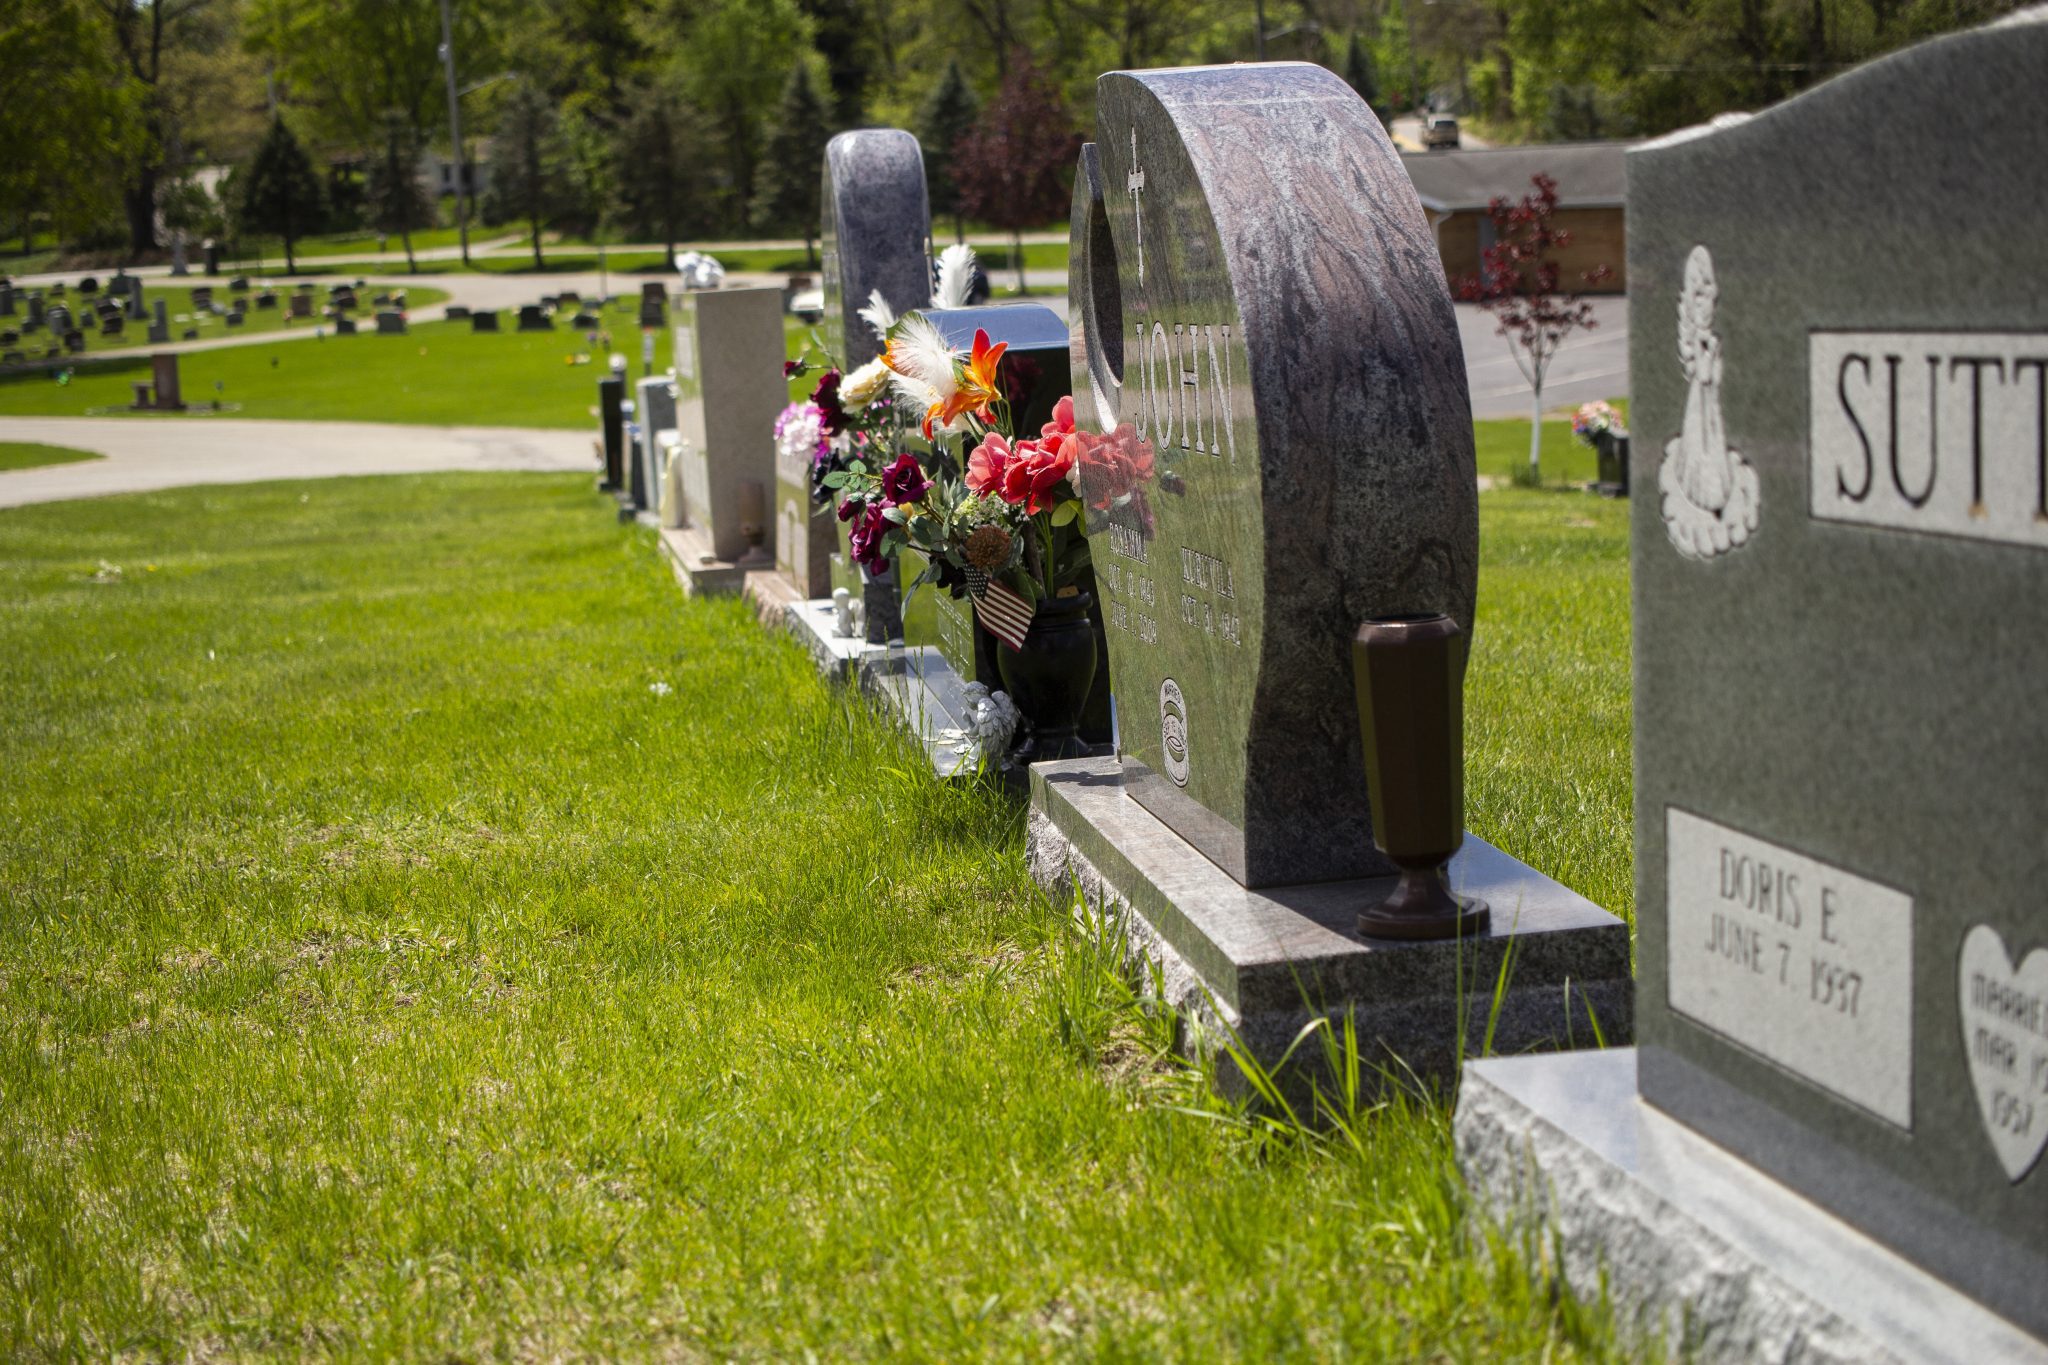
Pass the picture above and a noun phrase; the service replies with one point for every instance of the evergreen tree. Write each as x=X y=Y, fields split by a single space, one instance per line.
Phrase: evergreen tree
x=948 y=115
x=1361 y=75
x=792 y=169
x=281 y=193
x=654 y=170
x=397 y=201
x=1014 y=166
x=526 y=166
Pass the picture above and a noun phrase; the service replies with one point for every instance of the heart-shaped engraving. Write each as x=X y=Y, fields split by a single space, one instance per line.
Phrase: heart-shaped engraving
x=2005 y=1036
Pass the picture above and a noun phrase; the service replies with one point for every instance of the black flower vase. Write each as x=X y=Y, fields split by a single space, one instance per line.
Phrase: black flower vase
x=1049 y=678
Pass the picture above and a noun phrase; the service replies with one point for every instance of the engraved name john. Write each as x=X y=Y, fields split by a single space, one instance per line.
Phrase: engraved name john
x=1942 y=432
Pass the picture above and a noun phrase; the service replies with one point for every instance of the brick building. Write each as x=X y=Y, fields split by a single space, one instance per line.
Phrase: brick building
x=1456 y=186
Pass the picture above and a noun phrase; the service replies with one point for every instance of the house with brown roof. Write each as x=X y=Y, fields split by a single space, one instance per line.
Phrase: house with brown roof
x=1456 y=186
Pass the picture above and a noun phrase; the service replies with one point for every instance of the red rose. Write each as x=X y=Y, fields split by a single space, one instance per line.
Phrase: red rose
x=985 y=464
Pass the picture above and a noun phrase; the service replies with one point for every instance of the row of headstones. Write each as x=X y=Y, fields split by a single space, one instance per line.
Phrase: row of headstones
x=1840 y=611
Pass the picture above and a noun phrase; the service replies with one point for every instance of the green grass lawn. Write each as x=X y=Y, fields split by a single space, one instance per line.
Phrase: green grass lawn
x=391 y=971
x=31 y=455
x=440 y=373
x=182 y=316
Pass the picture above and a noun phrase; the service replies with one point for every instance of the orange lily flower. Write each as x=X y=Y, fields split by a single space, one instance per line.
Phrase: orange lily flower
x=977 y=390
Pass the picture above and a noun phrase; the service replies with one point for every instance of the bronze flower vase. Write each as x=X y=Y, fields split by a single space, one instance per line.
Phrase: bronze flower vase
x=1409 y=673
x=1049 y=679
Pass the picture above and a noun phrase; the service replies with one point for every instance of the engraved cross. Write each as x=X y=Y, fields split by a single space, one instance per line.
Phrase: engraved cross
x=1135 y=184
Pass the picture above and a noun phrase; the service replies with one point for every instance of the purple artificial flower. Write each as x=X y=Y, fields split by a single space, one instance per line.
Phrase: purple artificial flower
x=904 y=481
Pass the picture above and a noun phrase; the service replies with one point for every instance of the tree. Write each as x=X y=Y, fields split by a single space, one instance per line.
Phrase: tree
x=948 y=115
x=145 y=34
x=68 y=113
x=791 y=174
x=654 y=171
x=1012 y=166
x=280 y=192
x=1517 y=284
x=726 y=47
x=397 y=201
x=1361 y=75
x=526 y=169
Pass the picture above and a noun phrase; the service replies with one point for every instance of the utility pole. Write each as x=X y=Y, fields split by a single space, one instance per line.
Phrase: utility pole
x=455 y=129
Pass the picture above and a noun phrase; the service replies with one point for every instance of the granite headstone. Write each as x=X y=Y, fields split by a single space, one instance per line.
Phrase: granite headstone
x=876 y=234
x=1272 y=337
x=1840 y=569
x=485 y=320
x=728 y=360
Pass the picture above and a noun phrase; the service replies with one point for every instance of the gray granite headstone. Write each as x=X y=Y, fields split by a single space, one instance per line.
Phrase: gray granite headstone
x=654 y=411
x=390 y=324
x=728 y=353
x=344 y=326
x=485 y=321
x=160 y=323
x=1264 y=318
x=136 y=310
x=534 y=318
x=36 y=307
x=6 y=300
x=876 y=233
x=1840 y=570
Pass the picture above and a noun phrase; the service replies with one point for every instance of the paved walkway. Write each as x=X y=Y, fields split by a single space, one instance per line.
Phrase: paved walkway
x=147 y=453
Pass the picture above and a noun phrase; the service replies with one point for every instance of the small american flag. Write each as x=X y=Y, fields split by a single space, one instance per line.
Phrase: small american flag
x=1006 y=615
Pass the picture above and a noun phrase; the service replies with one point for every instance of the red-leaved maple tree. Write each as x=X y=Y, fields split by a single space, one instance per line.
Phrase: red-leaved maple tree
x=1518 y=284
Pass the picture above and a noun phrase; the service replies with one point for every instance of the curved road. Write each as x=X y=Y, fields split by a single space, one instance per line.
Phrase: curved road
x=148 y=453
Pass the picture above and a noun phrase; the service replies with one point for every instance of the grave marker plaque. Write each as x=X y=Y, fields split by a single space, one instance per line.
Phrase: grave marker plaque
x=1841 y=626
x=1263 y=320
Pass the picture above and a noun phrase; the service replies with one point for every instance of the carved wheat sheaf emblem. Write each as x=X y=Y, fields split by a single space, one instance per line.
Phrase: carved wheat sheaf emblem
x=1710 y=492
x=1173 y=731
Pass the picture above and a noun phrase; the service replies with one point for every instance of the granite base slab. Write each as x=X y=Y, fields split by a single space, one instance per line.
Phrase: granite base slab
x=697 y=567
x=929 y=698
x=814 y=623
x=1262 y=964
x=1704 y=1253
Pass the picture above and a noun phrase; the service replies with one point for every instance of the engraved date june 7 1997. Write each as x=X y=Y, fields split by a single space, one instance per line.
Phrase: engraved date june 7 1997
x=1805 y=964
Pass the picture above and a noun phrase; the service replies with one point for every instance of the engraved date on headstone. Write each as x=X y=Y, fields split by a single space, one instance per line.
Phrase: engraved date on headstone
x=1807 y=965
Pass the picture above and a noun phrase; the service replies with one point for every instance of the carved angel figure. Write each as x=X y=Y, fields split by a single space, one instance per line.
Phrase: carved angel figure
x=1710 y=491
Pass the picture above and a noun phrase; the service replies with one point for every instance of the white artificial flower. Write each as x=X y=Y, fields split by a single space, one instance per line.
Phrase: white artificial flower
x=660 y=689
x=864 y=385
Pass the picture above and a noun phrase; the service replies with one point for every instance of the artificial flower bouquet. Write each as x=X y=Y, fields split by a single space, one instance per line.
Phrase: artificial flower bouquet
x=1594 y=420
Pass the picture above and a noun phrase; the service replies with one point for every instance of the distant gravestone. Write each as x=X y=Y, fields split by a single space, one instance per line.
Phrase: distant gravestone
x=6 y=299
x=212 y=258
x=344 y=326
x=876 y=235
x=653 y=301
x=58 y=319
x=485 y=321
x=74 y=342
x=164 y=369
x=160 y=323
x=202 y=296
x=584 y=322
x=302 y=305
x=729 y=379
x=89 y=285
x=611 y=425
x=136 y=309
x=235 y=319
x=239 y=284
x=267 y=299
x=390 y=324
x=36 y=308
x=112 y=326
x=455 y=312
x=654 y=411
x=534 y=318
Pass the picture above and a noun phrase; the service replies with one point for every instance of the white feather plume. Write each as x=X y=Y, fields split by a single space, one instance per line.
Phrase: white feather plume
x=956 y=276
x=879 y=315
x=921 y=359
